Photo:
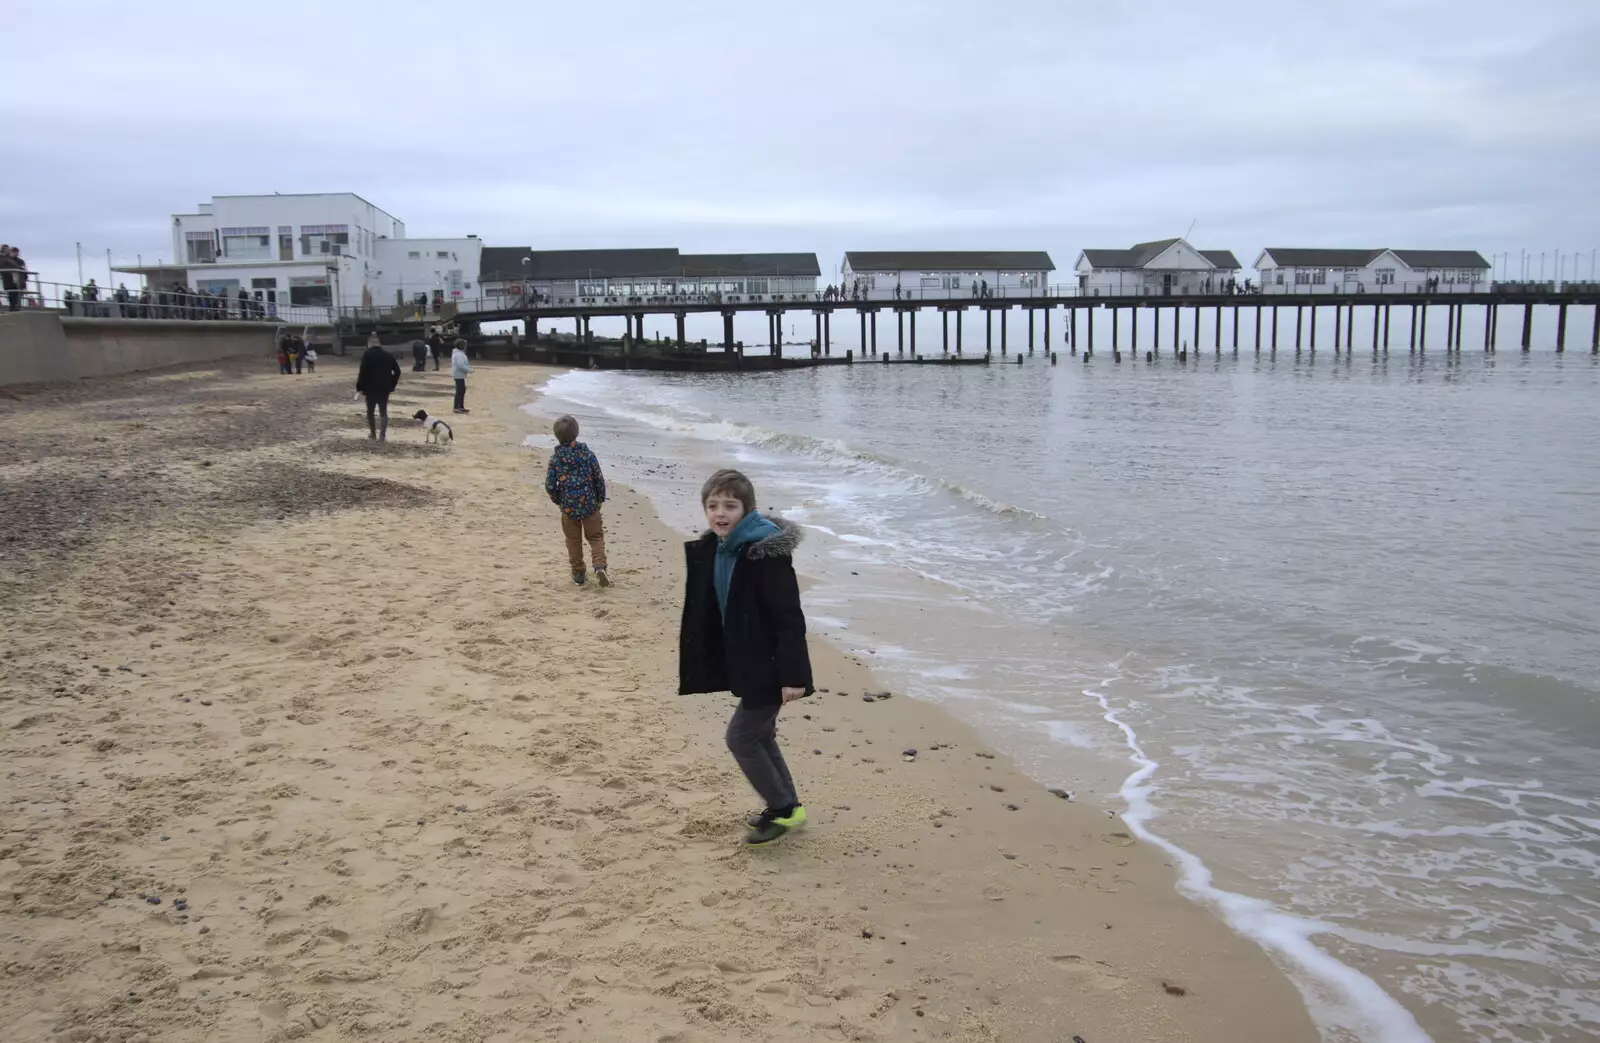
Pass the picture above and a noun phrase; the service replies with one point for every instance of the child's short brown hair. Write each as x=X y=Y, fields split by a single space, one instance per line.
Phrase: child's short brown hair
x=566 y=429
x=730 y=483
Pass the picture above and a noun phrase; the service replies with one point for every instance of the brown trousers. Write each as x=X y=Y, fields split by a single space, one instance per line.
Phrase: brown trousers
x=591 y=529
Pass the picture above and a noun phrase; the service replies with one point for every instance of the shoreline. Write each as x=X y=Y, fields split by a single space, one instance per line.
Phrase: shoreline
x=410 y=781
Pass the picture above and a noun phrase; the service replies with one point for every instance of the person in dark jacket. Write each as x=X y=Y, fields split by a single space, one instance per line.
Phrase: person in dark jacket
x=744 y=632
x=377 y=379
x=435 y=345
x=419 y=355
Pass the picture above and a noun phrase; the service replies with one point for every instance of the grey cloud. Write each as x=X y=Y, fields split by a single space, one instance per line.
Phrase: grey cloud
x=735 y=126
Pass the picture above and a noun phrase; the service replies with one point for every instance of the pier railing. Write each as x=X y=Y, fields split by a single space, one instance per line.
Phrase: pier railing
x=535 y=304
x=97 y=303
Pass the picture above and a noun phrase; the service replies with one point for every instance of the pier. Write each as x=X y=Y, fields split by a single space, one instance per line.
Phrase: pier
x=1254 y=321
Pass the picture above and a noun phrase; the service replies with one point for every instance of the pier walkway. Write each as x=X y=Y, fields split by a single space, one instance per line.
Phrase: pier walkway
x=1265 y=316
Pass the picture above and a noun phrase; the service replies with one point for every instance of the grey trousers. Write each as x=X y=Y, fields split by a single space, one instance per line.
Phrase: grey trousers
x=753 y=741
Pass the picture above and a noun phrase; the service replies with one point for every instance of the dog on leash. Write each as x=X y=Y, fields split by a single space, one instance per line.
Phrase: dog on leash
x=437 y=430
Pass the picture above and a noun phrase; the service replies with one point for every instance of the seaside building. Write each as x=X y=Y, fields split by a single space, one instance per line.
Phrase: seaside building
x=1317 y=270
x=511 y=271
x=1160 y=268
x=915 y=274
x=313 y=249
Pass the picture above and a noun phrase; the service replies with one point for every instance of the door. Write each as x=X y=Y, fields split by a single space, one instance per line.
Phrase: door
x=1166 y=284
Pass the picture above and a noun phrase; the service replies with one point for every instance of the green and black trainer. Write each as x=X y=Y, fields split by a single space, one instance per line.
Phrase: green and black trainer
x=773 y=825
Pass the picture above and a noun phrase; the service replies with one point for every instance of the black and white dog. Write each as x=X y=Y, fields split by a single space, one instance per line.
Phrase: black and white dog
x=438 y=430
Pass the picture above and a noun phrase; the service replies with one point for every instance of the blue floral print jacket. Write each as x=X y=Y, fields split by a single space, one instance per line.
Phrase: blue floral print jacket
x=574 y=481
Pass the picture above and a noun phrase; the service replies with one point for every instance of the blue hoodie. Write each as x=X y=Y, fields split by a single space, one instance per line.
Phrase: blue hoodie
x=752 y=528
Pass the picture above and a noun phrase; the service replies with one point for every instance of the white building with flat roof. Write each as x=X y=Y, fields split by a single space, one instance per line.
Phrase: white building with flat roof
x=308 y=249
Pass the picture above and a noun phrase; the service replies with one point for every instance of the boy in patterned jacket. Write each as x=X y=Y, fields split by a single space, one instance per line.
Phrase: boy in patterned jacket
x=575 y=484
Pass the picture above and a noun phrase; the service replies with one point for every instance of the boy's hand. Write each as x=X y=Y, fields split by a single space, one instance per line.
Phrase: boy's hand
x=791 y=694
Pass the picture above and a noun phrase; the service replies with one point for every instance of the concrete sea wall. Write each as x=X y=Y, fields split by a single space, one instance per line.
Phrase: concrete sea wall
x=44 y=346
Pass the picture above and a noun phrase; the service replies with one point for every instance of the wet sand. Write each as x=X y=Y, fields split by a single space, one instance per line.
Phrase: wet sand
x=310 y=738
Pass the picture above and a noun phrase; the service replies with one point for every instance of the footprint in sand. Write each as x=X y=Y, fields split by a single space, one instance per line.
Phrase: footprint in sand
x=1097 y=973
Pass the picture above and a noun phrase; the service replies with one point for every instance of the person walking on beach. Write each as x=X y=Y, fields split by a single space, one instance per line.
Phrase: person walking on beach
x=575 y=483
x=460 y=366
x=378 y=377
x=744 y=632
x=14 y=275
x=435 y=346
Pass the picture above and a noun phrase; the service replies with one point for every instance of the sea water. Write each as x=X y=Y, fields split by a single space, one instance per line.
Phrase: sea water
x=1325 y=629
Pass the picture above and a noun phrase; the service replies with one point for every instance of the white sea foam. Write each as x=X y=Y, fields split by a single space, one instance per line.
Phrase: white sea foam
x=581 y=387
x=1340 y=997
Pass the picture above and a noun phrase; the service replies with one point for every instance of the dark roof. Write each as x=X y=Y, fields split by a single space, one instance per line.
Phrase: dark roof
x=1143 y=253
x=950 y=261
x=1442 y=258
x=1316 y=258
x=1147 y=252
x=1113 y=258
x=504 y=264
x=751 y=264
x=1319 y=258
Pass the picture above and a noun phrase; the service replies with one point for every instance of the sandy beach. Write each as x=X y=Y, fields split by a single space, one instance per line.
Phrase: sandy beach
x=307 y=737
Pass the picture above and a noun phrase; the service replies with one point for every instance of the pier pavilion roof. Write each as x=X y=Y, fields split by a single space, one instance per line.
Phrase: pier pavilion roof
x=801 y=265
x=950 y=261
x=1286 y=257
x=504 y=264
x=1143 y=253
x=1442 y=258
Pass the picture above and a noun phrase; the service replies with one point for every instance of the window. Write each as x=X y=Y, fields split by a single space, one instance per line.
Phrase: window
x=1352 y=274
x=1385 y=276
x=415 y=255
x=1278 y=278
x=310 y=290
x=316 y=240
x=264 y=284
x=285 y=246
x=1302 y=278
x=247 y=247
x=201 y=251
x=443 y=255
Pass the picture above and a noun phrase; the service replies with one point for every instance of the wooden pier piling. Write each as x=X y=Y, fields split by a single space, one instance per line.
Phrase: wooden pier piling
x=1527 y=327
x=1561 y=328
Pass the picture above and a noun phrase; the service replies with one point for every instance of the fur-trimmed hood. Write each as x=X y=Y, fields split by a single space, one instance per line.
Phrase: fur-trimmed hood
x=780 y=544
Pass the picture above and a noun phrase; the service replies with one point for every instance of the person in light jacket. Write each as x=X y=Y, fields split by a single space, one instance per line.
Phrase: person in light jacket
x=460 y=366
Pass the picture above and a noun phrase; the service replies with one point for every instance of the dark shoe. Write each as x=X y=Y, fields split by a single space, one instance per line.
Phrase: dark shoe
x=771 y=826
x=580 y=578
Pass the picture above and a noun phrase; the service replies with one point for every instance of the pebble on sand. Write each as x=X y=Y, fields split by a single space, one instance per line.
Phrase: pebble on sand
x=153 y=900
x=868 y=699
x=1056 y=791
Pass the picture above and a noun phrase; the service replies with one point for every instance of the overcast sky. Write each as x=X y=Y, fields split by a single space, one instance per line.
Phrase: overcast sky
x=822 y=127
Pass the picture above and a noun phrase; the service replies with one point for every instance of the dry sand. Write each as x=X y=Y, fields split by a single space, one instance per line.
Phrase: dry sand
x=341 y=702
